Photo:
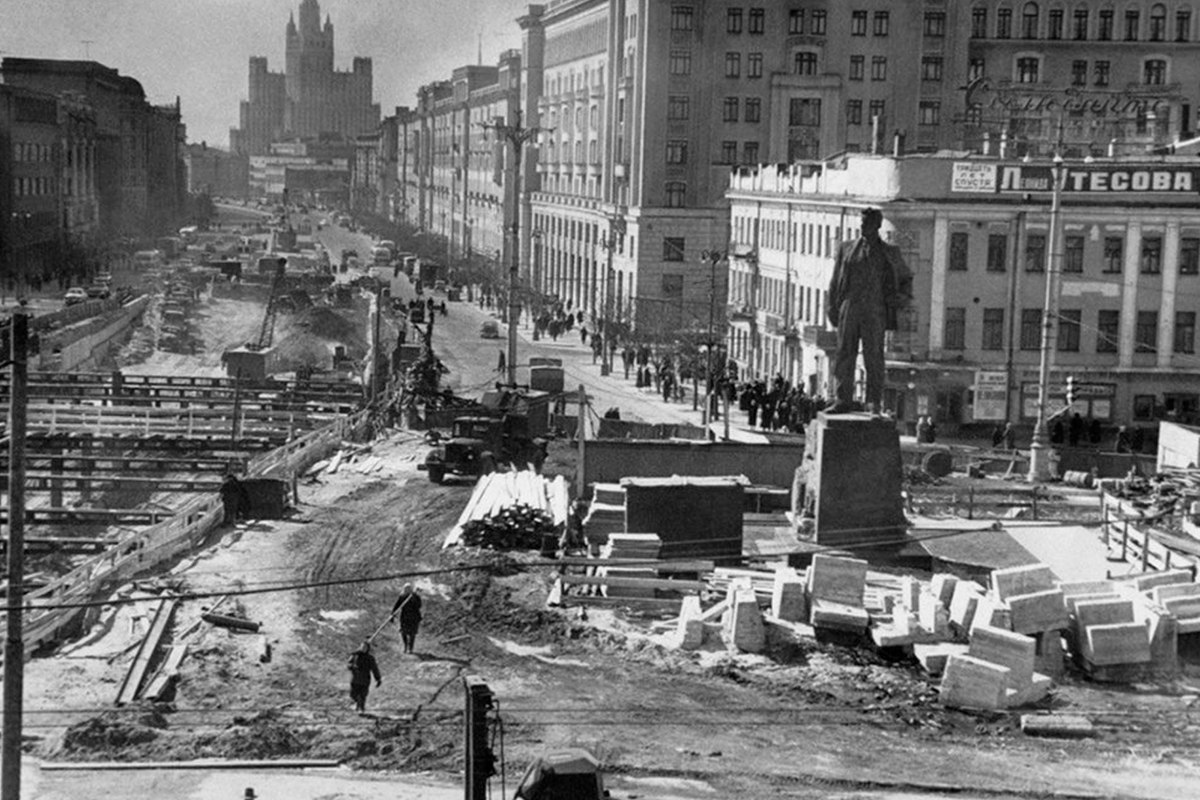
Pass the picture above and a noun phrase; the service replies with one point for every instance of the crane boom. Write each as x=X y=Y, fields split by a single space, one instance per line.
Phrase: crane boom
x=266 y=336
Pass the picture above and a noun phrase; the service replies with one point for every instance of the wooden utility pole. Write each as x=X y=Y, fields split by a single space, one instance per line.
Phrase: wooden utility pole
x=14 y=645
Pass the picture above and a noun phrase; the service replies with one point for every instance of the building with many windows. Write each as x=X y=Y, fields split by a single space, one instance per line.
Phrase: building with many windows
x=975 y=232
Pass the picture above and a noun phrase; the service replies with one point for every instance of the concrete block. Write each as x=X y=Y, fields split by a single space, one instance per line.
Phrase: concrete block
x=1028 y=579
x=837 y=579
x=969 y=682
x=1121 y=643
x=1144 y=583
x=964 y=603
x=932 y=657
x=1062 y=726
x=910 y=590
x=990 y=611
x=932 y=615
x=746 y=630
x=1161 y=594
x=1013 y=650
x=942 y=587
x=1072 y=601
x=1073 y=588
x=1040 y=611
x=839 y=616
x=1183 y=607
x=788 y=600
x=1103 y=612
x=1164 y=632
x=691 y=634
x=1049 y=654
x=1035 y=691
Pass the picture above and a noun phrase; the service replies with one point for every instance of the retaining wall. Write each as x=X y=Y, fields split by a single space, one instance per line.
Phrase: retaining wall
x=83 y=344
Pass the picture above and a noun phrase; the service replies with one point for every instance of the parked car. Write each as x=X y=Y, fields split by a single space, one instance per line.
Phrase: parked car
x=99 y=290
x=75 y=295
x=489 y=329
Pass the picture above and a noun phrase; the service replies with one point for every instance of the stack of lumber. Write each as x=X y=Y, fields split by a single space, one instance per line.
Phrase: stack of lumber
x=497 y=492
x=606 y=514
x=760 y=580
x=640 y=546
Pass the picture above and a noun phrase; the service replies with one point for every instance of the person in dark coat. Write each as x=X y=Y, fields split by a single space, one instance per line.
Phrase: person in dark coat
x=408 y=607
x=235 y=499
x=362 y=666
x=1075 y=430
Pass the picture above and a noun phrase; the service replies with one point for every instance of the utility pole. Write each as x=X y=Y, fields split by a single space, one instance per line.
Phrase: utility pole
x=518 y=137
x=1040 y=449
x=713 y=257
x=14 y=644
x=616 y=228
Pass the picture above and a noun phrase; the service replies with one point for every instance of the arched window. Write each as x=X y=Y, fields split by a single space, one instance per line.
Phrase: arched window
x=1029 y=21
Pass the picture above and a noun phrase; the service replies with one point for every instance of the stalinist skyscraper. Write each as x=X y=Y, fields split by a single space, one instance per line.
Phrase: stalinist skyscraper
x=310 y=98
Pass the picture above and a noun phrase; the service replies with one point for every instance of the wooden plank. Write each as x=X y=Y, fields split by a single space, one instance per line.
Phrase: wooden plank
x=634 y=583
x=127 y=693
x=162 y=679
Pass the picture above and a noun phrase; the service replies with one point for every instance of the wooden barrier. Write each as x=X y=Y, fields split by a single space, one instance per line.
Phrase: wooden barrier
x=1129 y=536
x=974 y=499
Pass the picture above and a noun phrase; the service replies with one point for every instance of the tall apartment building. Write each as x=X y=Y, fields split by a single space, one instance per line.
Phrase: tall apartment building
x=310 y=98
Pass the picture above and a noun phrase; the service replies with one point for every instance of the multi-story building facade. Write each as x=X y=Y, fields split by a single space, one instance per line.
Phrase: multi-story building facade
x=300 y=170
x=215 y=172
x=976 y=233
x=310 y=98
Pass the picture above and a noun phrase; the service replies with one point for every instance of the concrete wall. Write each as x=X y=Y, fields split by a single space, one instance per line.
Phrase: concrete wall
x=82 y=346
x=609 y=460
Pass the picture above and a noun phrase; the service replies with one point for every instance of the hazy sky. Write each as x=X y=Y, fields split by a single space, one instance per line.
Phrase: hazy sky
x=199 y=49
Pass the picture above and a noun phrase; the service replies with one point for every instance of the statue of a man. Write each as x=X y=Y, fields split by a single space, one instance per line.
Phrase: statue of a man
x=870 y=285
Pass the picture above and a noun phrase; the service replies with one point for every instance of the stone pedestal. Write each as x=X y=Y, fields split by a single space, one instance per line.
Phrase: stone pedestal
x=854 y=479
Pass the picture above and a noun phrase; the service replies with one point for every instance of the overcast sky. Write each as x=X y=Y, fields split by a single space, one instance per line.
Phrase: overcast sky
x=199 y=49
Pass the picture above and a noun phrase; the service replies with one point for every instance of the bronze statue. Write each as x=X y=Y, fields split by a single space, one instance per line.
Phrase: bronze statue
x=870 y=285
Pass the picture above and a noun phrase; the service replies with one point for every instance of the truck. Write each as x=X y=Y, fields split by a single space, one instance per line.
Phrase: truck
x=511 y=426
x=430 y=272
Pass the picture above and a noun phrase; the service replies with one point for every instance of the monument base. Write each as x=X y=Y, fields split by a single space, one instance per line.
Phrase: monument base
x=853 y=478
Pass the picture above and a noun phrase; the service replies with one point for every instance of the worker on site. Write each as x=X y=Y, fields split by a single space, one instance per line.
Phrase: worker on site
x=408 y=608
x=362 y=666
x=235 y=499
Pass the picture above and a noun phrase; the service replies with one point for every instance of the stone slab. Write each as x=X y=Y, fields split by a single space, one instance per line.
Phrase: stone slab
x=837 y=579
x=838 y=616
x=1059 y=726
x=855 y=478
x=1183 y=607
x=1027 y=579
x=1103 y=612
x=789 y=601
x=1072 y=601
x=1174 y=590
x=1013 y=650
x=1122 y=643
x=1144 y=583
x=969 y=682
x=990 y=611
x=963 y=606
x=942 y=587
x=1049 y=656
x=932 y=615
x=1072 y=588
x=1039 y=611
x=746 y=630
x=1035 y=691
x=933 y=657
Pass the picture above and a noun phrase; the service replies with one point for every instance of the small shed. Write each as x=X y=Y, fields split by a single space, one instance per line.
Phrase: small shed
x=694 y=516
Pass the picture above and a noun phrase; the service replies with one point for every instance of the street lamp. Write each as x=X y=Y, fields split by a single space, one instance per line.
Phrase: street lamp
x=1040 y=450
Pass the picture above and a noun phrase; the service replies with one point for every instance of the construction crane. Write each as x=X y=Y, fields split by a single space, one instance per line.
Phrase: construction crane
x=266 y=336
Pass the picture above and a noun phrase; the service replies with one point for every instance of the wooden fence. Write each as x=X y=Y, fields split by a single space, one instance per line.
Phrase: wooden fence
x=1130 y=535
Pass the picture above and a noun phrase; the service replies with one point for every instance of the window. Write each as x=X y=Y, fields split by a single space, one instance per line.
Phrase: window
x=1068 y=329
x=876 y=109
x=959 y=251
x=878 y=68
x=733 y=20
x=754 y=65
x=1100 y=70
x=1131 y=25
x=679 y=106
x=882 y=22
x=1189 y=256
x=1035 y=252
x=1079 y=72
x=979 y=23
x=673 y=248
x=931 y=68
x=858 y=23
x=854 y=112
x=1185 y=332
x=730 y=109
x=1027 y=69
x=1152 y=255
x=683 y=18
x=1108 y=328
x=1029 y=21
x=677 y=151
x=796 y=20
x=728 y=152
x=1145 y=334
x=817 y=28
x=733 y=65
x=1183 y=26
x=993 y=329
x=1155 y=72
x=857 y=67
x=997 y=252
x=1073 y=253
x=1114 y=253
x=1054 y=24
x=675 y=193
x=1004 y=23
x=1104 y=31
x=753 y=109
x=805 y=111
x=681 y=62
x=1031 y=329
x=1079 y=26
x=956 y=328
x=935 y=23
x=976 y=68
x=750 y=153
x=1158 y=23
x=805 y=63
x=758 y=21
x=929 y=112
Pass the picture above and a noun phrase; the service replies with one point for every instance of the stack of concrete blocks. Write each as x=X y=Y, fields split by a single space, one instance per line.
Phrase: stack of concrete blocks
x=1029 y=600
x=743 y=621
x=952 y=615
x=836 y=586
x=606 y=514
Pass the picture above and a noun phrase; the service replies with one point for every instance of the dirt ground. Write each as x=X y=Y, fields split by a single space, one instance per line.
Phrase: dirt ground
x=802 y=719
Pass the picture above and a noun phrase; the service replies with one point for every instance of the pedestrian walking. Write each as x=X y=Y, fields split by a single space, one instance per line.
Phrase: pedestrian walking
x=408 y=608
x=362 y=666
x=583 y=335
x=502 y=363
